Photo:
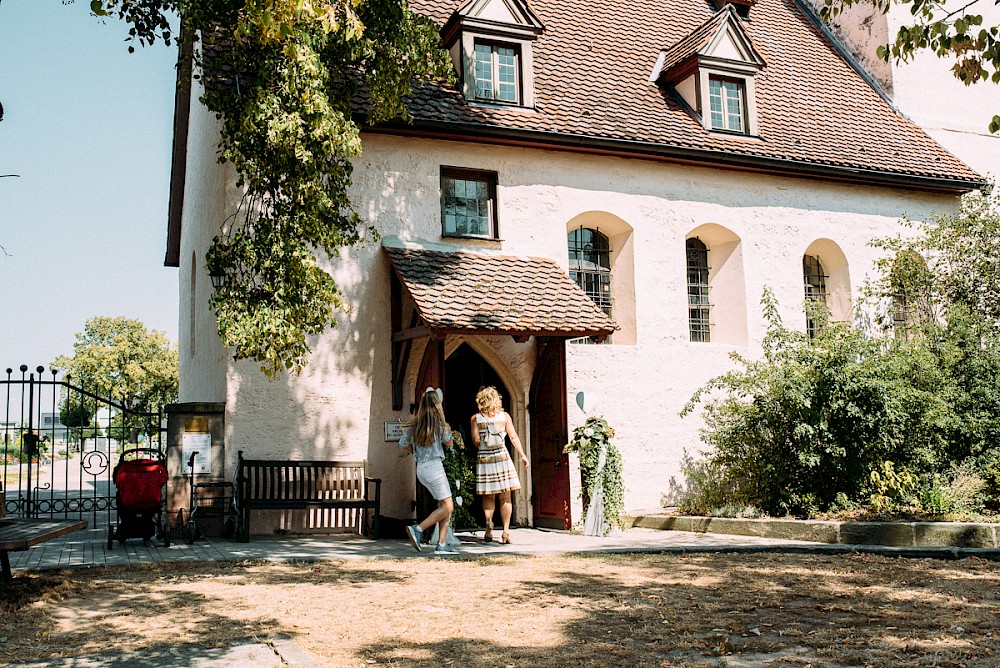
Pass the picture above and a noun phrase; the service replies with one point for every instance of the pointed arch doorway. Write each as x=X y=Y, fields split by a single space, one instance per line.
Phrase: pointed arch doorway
x=466 y=371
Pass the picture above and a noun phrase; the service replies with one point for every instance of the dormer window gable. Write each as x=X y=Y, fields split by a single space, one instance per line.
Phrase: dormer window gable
x=490 y=42
x=713 y=70
x=742 y=7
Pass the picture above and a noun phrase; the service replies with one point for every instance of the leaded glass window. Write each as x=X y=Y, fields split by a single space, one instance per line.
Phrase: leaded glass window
x=699 y=307
x=590 y=266
x=497 y=73
x=814 y=281
x=468 y=203
x=725 y=98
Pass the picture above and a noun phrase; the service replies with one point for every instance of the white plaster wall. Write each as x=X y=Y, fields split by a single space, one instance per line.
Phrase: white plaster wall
x=337 y=407
x=208 y=192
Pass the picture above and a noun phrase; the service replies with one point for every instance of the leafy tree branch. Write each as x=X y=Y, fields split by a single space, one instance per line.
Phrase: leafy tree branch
x=281 y=76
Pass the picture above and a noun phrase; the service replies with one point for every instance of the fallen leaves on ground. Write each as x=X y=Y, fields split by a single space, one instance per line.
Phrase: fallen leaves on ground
x=640 y=610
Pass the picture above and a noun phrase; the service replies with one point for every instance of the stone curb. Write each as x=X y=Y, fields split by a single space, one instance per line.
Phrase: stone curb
x=943 y=553
x=960 y=535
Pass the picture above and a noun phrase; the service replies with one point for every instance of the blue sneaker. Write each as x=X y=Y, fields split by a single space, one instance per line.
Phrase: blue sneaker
x=415 y=534
x=445 y=549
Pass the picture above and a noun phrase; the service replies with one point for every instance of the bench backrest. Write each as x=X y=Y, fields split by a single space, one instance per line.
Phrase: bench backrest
x=303 y=480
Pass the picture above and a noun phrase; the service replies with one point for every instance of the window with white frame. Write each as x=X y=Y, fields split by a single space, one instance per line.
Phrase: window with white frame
x=699 y=307
x=726 y=98
x=468 y=203
x=497 y=72
x=814 y=280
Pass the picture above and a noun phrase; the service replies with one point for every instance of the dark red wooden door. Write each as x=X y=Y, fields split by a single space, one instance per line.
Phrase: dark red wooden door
x=549 y=466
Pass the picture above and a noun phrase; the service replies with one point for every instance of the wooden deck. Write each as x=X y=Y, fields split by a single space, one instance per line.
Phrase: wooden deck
x=17 y=534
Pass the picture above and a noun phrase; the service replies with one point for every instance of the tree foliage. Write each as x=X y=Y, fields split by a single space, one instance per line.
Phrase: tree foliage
x=282 y=76
x=951 y=263
x=948 y=30
x=118 y=358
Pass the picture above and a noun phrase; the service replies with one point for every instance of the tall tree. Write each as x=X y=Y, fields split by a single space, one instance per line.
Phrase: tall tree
x=120 y=359
x=948 y=29
x=282 y=76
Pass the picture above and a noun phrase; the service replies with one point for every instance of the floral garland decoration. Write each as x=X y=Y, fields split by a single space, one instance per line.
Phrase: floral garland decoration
x=588 y=440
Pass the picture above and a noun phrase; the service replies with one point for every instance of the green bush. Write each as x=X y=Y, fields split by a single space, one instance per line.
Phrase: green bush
x=811 y=425
x=459 y=467
x=960 y=492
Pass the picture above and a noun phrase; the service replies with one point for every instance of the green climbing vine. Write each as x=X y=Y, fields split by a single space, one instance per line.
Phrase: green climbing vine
x=283 y=77
x=588 y=441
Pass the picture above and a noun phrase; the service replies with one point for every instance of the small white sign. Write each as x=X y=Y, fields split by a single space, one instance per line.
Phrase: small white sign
x=202 y=444
x=393 y=432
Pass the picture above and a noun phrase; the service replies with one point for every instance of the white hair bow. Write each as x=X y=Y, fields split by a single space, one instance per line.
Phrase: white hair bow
x=436 y=390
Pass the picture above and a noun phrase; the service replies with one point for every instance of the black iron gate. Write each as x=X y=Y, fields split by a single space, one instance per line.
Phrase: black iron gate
x=59 y=444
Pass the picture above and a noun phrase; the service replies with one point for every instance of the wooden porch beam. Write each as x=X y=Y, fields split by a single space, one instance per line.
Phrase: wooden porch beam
x=411 y=333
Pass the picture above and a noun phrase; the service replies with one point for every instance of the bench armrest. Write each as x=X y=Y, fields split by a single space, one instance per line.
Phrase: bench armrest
x=378 y=486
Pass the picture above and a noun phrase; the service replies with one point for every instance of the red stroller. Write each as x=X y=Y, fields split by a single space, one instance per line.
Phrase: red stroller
x=141 y=481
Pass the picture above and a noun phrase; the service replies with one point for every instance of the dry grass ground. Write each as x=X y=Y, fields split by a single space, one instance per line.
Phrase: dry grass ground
x=638 y=610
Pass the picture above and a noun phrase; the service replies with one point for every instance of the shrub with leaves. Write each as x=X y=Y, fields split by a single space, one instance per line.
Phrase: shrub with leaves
x=814 y=416
x=462 y=478
x=589 y=439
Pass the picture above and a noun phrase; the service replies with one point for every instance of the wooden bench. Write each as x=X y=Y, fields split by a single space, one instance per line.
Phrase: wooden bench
x=20 y=533
x=263 y=484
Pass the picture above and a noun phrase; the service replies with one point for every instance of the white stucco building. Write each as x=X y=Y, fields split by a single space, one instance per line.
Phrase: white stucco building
x=672 y=160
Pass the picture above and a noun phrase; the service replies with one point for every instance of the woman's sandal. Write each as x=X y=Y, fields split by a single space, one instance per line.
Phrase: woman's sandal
x=505 y=538
x=488 y=535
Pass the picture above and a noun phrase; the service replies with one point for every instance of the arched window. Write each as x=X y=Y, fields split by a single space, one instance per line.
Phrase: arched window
x=814 y=280
x=590 y=265
x=601 y=260
x=911 y=293
x=699 y=307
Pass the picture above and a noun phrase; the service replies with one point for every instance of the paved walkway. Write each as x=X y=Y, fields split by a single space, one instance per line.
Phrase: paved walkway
x=89 y=548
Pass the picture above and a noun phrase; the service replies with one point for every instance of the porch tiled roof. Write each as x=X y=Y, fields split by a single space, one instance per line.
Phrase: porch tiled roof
x=592 y=65
x=495 y=294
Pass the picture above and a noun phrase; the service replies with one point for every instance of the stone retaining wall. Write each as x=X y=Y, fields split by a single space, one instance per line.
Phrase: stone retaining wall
x=894 y=534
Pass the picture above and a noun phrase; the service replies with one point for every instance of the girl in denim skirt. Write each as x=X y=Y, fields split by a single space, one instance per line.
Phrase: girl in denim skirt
x=424 y=436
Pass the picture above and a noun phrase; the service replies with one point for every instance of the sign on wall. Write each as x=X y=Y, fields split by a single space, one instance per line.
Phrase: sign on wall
x=202 y=444
x=393 y=432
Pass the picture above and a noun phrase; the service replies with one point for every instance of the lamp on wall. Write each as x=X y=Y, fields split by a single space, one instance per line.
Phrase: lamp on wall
x=218 y=276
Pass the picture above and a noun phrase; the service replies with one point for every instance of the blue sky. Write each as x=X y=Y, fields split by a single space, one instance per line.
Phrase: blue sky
x=87 y=126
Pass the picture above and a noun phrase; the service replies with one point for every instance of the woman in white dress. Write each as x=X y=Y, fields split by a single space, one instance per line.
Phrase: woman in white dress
x=495 y=472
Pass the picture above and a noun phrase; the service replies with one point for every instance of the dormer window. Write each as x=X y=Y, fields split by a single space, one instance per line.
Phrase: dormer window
x=490 y=44
x=497 y=77
x=726 y=103
x=712 y=71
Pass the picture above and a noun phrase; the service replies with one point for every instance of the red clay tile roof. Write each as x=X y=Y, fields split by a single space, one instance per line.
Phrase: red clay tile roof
x=817 y=115
x=494 y=294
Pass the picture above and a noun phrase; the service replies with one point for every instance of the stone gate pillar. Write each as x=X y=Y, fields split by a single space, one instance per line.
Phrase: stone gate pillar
x=193 y=427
